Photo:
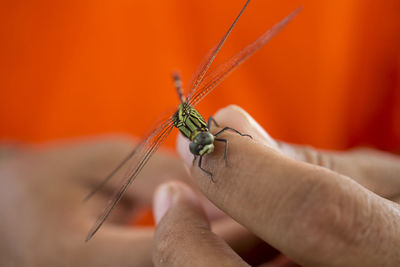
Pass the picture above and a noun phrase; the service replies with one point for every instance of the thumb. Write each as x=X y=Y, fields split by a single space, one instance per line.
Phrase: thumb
x=183 y=235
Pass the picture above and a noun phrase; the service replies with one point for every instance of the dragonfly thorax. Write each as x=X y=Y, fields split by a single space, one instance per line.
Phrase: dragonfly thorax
x=192 y=125
x=189 y=121
x=202 y=144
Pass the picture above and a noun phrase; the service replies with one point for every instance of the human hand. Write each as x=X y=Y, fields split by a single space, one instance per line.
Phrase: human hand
x=318 y=208
x=44 y=221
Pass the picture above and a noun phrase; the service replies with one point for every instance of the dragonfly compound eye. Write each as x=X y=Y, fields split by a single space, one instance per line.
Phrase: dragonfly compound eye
x=202 y=144
x=195 y=148
x=204 y=138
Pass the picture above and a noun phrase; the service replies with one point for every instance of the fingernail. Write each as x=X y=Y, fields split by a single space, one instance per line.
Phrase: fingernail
x=241 y=117
x=162 y=201
x=169 y=194
x=251 y=121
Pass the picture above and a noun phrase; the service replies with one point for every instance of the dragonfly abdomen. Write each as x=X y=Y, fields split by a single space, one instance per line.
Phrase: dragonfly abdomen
x=189 y=121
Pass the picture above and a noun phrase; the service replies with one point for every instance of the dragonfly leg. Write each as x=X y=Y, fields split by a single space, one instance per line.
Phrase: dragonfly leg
x=226 y=148
x=194 y=160
x=234 y=130
x=204 y=170
x=178 y=85
x=210 y=120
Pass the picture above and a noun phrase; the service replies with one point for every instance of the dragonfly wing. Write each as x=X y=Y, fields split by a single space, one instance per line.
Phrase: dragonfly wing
x=199 y=70
x=211 y=80
x=110 y=175
x=127 y=160
x=140 y=157
x=208 y=60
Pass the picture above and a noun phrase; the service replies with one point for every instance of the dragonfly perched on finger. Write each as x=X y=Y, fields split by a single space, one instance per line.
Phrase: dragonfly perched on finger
x=186 y=118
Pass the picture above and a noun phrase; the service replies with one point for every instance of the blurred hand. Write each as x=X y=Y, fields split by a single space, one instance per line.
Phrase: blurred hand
x=318 y=208
x=43 y=219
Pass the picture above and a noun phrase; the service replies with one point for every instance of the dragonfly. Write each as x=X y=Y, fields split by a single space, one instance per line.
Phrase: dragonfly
x=186 y=118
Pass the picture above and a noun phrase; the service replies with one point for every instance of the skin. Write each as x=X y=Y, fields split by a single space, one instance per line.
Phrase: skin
x=44 y=222
x=318 y=208
x=311 y=214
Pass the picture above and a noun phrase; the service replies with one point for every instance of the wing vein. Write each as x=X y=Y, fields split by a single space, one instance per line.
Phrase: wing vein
x=144 y=152
x=213 y=53
x=222 y=71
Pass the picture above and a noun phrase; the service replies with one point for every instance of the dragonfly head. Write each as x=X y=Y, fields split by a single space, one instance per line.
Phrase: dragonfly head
x=202 y=144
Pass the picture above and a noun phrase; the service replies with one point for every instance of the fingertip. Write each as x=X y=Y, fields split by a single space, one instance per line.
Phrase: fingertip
x=236 y=117
x=184 y=232
x=169 y=194
x=162 y=201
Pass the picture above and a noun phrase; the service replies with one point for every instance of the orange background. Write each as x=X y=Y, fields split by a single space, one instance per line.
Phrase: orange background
x=75 y=68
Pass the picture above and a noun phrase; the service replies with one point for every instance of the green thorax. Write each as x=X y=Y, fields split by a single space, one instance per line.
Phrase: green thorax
x=189 y=121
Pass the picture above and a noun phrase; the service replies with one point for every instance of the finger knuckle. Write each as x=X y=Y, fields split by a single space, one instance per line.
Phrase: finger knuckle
x=328 y=218
x=316 y=157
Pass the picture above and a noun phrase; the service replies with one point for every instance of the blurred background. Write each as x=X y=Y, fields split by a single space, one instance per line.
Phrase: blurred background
x=330 y=79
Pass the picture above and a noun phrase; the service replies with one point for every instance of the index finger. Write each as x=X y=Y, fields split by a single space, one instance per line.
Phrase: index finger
x=308 y=212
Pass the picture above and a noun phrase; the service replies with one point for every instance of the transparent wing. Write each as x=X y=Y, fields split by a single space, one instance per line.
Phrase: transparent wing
x=211 y=80
x=140 y=157
x=165 y=116
x=195 y=75
x=110 y=175
x=208 y=60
